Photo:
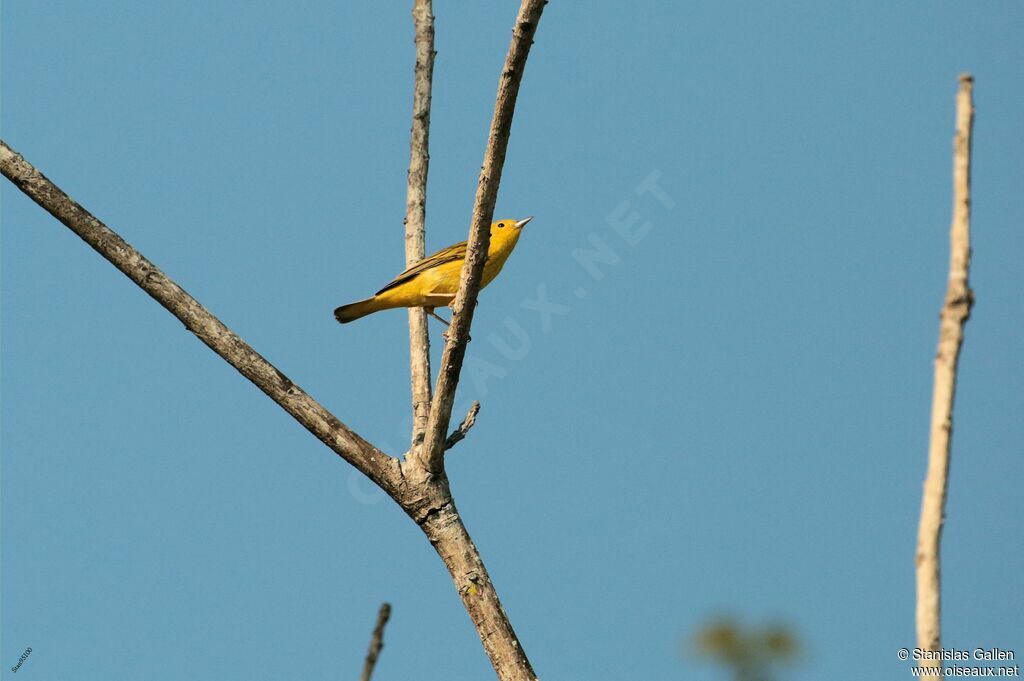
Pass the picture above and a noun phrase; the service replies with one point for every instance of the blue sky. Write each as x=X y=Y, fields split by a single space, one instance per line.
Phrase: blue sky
x=731 y=418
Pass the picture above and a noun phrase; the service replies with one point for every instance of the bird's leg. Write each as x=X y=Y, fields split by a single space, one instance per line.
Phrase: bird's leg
x=430 y=311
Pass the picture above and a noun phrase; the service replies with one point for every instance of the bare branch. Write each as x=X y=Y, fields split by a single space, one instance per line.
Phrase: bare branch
x=377 y=465
x=447 y=533
x=459 y=434
x=432 y=451
x=956 y=309
x=415 y=211
x=376 y=642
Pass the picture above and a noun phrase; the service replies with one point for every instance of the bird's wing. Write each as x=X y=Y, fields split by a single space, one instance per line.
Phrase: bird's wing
x=450 y=254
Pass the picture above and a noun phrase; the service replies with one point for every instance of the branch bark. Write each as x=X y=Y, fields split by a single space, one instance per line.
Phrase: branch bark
x=445 y=530
x=432 y=450
x=416 y=208
x=376 y=642
x=375 y=464
x=956 y=310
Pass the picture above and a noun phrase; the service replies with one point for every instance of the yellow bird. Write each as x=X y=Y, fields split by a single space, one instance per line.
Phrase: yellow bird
x=434 y=281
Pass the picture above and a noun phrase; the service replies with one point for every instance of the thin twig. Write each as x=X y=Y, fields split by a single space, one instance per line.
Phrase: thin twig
x=415 y=211
x=376 y=642
x=377 y=465
x=459 y=434
x=432 y=451
x=956 y=310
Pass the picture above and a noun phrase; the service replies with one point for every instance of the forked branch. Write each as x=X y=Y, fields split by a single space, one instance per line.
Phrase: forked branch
x=432 y=450
x=419 y=485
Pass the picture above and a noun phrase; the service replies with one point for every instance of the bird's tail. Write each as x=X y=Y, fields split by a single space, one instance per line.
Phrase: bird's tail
x=353 y=311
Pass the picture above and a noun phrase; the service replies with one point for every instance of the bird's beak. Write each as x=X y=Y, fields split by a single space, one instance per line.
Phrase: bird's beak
x=522 y=223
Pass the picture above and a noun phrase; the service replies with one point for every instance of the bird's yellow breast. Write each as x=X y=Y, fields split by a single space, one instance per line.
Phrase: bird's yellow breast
x=437 y=286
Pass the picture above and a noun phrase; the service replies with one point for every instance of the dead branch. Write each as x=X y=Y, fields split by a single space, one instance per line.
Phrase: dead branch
x=432 y=450
x=419 y=484
x=376 y=642
x=956 y=309
x=378 y=466
x=416 y=208
x=459 y=434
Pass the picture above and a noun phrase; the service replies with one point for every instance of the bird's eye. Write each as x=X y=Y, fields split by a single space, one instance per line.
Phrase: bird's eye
x=501 y=224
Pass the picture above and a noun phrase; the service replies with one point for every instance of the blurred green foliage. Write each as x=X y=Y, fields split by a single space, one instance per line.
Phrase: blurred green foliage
x=750 y=654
